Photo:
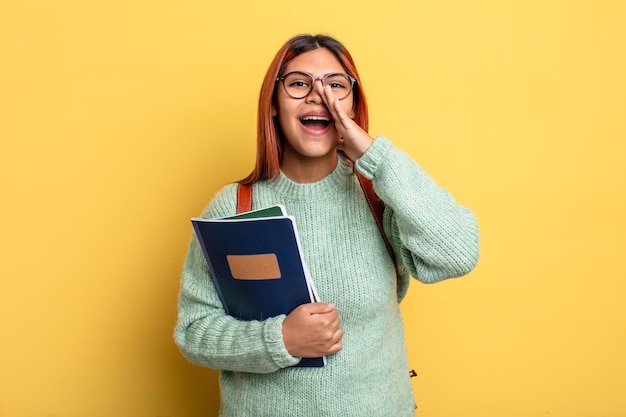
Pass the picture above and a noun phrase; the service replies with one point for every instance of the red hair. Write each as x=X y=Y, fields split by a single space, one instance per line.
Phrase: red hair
x=269 y=140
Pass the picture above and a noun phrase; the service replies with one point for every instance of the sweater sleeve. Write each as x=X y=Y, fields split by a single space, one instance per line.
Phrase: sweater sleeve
x=434 y=237
x=206 y=335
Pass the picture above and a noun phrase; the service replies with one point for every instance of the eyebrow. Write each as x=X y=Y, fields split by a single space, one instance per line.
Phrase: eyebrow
x=313 y=75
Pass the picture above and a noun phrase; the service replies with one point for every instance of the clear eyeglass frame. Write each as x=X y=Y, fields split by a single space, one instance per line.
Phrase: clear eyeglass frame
x=304 y=93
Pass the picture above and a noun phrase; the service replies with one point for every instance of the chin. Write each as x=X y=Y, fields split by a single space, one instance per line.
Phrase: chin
x=312 y=152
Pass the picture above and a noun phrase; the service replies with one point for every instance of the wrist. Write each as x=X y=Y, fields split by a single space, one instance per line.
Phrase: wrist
x=357 y=150
x=369 y=161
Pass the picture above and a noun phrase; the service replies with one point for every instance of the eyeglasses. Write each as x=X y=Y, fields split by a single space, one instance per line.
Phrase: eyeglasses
x=299 y=84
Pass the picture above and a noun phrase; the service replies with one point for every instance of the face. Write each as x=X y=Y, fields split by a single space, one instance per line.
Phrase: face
x=308 y=128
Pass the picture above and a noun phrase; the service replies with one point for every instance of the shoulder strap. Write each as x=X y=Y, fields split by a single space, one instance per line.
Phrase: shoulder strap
x=377 y=207
x=244 y=204
x=244 y=198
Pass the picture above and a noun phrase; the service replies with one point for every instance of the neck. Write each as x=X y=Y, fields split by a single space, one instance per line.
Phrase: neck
x=307 y=170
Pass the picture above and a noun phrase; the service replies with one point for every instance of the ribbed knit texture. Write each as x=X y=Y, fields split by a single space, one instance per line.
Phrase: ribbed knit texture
x=433 y=237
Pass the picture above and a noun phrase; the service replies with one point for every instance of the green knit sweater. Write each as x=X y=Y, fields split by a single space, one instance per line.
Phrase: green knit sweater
x=433 y=237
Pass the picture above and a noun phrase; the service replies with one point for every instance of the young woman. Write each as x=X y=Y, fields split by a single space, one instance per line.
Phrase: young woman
x=312 y=137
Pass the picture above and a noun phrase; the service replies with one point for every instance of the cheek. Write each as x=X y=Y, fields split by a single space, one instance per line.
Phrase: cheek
x=284 y=115
x=285 y=120
x=284 y=108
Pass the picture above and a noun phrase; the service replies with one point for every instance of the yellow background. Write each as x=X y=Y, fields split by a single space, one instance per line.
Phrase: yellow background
x=120 y=119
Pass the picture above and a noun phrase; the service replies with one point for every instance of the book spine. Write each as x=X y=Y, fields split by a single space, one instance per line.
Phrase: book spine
x=208 y=261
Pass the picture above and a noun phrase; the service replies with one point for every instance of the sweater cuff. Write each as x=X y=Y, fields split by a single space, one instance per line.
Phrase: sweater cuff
x=273 y=337
x=368 y=163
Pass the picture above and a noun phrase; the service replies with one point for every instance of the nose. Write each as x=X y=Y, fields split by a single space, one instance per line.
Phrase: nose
x=317 y=91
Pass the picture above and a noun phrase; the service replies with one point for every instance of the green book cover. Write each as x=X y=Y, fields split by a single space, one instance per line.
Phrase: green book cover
x=273 y=211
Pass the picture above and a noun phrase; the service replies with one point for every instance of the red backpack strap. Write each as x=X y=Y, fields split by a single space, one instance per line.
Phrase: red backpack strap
x=244 y=198
x=377 y=207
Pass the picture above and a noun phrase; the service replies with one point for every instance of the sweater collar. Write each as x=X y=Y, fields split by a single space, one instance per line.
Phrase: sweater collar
x=330 y=186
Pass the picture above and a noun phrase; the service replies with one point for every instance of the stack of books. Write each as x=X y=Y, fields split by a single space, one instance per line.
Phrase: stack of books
x=255 y=259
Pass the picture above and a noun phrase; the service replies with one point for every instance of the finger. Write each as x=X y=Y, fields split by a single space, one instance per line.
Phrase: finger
x=328 y=323
x=318 y=308
x=329 y=97
x=331 y=337
x=335 y=348
x=334 y=106
x=336 y=344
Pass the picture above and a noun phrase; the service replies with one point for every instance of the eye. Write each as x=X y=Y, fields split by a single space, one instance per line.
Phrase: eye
x=338 y=81
x=336 y=85
x=297 y=81
x=298 y=84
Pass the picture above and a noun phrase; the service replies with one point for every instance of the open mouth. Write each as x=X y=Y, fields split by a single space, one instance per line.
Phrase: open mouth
x=316 y=122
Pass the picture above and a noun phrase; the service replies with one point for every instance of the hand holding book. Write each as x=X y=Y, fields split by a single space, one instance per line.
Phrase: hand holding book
x=312 y=330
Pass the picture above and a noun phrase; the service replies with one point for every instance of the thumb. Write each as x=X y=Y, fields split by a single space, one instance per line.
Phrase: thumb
x=320 y=308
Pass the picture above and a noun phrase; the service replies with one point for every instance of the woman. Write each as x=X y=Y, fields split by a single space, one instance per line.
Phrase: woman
x=312 y=136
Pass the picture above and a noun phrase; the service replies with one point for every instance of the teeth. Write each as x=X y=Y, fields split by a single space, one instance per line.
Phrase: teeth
x=317 y=118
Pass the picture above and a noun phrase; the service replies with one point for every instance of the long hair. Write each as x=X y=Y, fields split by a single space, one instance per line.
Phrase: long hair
x=269 y=141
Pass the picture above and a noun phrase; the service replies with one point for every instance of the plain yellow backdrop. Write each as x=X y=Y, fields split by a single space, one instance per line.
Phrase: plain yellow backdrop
x=120 y=119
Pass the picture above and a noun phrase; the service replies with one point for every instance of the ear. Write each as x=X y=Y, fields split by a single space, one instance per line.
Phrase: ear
x=274 y=112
